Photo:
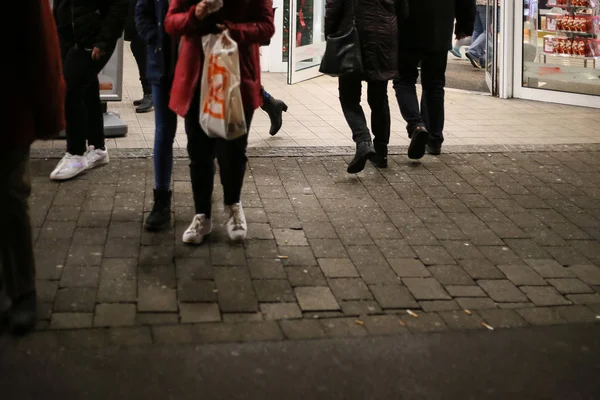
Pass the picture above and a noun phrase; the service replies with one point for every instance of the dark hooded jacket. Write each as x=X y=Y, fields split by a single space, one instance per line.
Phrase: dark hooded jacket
x=377 y=25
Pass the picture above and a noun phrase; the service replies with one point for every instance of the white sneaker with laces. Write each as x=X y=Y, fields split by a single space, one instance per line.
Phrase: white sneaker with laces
x=199 y=228
x=237 y=228
x=69 y=167
x=96 y=157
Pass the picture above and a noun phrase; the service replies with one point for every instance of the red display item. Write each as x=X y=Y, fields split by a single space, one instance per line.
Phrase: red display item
x=592 y=48
x=568 y=48
x=552 y=22
x=549 y=42
x=578 y=47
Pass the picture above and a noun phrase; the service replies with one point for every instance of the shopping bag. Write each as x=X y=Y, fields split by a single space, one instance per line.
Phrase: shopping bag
x=221 y=107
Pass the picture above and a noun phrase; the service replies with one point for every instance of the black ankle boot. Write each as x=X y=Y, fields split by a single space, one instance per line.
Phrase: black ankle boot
x=146 y=104
x=381 y=158
x=23 y=314
x=364 y=152
x=275 y=109
x=418 y=141
x=160 y=217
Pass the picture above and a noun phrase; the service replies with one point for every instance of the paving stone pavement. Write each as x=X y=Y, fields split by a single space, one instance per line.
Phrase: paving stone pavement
x=512 y=238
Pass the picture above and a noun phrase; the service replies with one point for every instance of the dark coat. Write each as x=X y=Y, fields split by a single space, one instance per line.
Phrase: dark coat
x=430 y=24
x=250 y=22
x=33 y=79
x=91 y=23
x=377 y=27
x=162 y=48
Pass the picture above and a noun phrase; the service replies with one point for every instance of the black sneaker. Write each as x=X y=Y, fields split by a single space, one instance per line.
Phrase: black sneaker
x=275 y=109
x=418 y=141
x=23 y=314
x=146 y=104
x=160 y=216
x=474 y=62
x=435 y=149
x=364 y=152
x=381 y=157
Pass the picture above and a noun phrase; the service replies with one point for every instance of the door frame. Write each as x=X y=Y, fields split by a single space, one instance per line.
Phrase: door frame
x=304 y=52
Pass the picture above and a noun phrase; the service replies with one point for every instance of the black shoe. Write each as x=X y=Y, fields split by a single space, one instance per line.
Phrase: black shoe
x=418 y=140
x=474 y=62
x=275 y=109
x=380 y=160
x=364 y=152
x=137 y=102
x=435 y=149
x=23 y=314
x=146 y=104
x=160 y=217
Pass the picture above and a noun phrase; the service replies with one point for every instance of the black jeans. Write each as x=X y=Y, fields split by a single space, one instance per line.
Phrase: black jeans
x=138 y=48
x=83 y=108
x=350 y=89
x=17 y=265
x=433 y=81
x=202 y=151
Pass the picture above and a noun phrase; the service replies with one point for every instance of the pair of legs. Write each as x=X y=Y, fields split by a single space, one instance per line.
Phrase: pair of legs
x=232 y=159
x=17 y=278
x=164 y=135
x=139 y=49
x=350 y=90
x=430 y=114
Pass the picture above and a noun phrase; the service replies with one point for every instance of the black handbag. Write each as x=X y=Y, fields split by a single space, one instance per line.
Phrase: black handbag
x=342 y=53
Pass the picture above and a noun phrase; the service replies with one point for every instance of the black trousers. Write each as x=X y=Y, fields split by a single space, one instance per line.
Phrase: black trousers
x=17 y=265
x=433 y=81
x=203 y=150
x=350 y=89
x=83 y=108
x=138 y=48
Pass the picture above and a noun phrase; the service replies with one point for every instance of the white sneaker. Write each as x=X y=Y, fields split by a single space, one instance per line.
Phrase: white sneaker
x=69 y=167
x=199 y=228
x=237 y=228
x=96 y=157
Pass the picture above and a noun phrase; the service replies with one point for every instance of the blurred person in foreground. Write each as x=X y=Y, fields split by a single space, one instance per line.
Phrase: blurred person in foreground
x=425 y=37
x=249 y=22
x=88 y=32
x=36 y=90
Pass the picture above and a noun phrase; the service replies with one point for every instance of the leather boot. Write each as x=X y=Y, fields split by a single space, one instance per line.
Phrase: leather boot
x=146 y=104
x=418 y=141
x=364 y=152
x=275 y=109
x=381 y=158
x=160 y=217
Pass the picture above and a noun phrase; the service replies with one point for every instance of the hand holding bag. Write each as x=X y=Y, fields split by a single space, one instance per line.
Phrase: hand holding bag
x=342 y=53
x=221 y=107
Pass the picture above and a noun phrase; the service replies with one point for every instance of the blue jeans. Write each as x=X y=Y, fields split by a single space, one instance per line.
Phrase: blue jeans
x=477 y=48
x=480 y=22
x=166 y=125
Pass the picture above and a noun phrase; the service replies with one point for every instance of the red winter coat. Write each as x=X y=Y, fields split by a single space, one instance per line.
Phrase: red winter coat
x=32 y=79
x=250 y=22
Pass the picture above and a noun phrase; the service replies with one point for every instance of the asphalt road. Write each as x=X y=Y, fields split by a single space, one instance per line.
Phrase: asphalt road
x=532 y=363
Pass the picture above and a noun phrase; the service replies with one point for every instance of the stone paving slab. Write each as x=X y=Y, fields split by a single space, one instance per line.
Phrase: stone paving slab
x=506 y=239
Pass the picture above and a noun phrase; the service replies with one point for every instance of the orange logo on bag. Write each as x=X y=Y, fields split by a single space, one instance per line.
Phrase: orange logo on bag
x=217 y=82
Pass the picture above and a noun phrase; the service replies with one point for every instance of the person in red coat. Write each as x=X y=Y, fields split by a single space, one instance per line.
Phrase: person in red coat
x=249 y=22
x=34 y=84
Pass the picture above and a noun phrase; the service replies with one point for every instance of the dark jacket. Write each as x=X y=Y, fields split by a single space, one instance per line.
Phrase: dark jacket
x=377 y=27
x=162 y=48
x=33 y=80
x=430 y=24
x=91 y=23
x=249 y=22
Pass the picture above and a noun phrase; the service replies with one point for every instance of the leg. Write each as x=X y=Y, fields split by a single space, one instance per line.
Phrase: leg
x=480 y=22
x=350 y=89
x=201 y=150
x=406 y=90
x=16 y=248
x=95 y=117
x=433 y=77
x=166 y=125
x=380 y=113
x=75 y=110
x=275 y=109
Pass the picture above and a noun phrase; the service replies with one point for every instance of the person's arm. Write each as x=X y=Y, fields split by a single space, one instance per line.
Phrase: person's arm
x=260 y=27
x=145 y=21
x=181 y=20
x=465 y=17
x=112 y=25
x=333 y=16
x=44 y=70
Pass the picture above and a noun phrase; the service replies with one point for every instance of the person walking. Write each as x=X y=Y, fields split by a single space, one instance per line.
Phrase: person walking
x=137 y=45
x=36 y=90
x=376 y=23
x=249 y=23
x=162 y=58
x=425 y=38
x=88 y=32
x=476 y=52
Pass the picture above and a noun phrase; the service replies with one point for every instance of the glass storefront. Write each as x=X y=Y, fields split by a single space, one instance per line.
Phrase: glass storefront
x=561 y=46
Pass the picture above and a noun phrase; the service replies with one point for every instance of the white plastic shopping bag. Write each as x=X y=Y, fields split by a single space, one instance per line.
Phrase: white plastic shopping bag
x=221 y=108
